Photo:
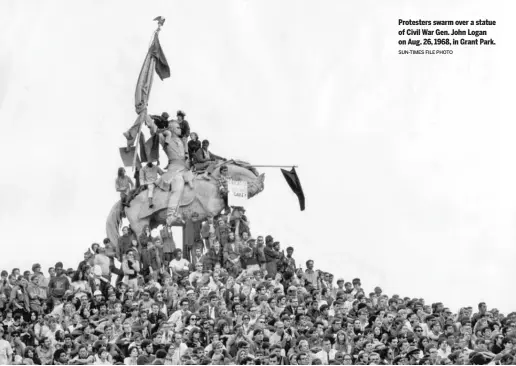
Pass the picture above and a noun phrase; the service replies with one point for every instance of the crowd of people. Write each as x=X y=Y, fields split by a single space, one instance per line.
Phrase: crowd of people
x=228 y=299
x=224 y=297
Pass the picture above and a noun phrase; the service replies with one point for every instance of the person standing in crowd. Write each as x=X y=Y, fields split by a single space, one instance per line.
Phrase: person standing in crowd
x=271 y=256
x=124 y=244
x=191 y=235
x=242 y=303
x=131 y=268
x=169 y=246
x=311 y=275
x=59 y=284
x=111 y=253
x=207 y=229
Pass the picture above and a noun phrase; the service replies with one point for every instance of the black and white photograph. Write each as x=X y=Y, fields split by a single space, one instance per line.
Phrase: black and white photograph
x=247 y=182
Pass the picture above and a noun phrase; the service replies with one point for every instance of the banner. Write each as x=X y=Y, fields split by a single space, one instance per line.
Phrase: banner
x=237 y=193
x=294 y=183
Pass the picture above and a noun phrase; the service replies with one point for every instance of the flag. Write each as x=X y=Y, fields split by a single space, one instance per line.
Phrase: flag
x=162 y=68
x=294 y=183
x=154 y=61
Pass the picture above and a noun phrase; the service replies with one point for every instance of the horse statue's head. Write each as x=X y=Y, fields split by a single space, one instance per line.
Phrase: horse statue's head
x=241 y=171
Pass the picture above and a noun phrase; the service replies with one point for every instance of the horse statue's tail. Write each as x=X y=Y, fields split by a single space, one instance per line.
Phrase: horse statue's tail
x=113 y=222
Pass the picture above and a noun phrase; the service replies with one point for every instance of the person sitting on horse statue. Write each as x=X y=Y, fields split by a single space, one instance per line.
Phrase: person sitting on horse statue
x=123 y=184
x=148 y=176
x=206 y=160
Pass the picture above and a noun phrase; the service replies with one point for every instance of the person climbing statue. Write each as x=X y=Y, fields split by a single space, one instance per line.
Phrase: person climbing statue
x=123 y=184
x=149 y=174
x=223 y=186
x=185 y=130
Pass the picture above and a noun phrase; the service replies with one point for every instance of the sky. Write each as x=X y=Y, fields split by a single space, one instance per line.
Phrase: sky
x=407 y=161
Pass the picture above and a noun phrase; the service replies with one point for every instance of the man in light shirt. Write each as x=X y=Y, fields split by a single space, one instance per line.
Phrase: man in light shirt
x=179 y=349
x=327 y=353
x=149 y=174
x=176 y=320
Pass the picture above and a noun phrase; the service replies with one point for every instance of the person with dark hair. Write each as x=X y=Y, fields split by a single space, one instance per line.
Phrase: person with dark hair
x=310 y=274
x=214 y=256
x=131 y=269
x=161 y=121
x=149 y=174
x=59 y=284
x=123 y=184
x=60 y=357
x=184 y=126
x=205 y=160
x=30 y=357
x=146 y=357
x=179 y=266
x=193 y=146
x=132 y=357
x=272 y=256
x=45 y=351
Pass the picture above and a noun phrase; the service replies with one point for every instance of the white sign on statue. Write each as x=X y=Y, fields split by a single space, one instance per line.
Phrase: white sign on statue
x=237 y=195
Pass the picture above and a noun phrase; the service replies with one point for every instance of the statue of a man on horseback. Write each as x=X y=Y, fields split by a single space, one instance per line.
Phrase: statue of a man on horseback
x=178 y=194
x=177 y=171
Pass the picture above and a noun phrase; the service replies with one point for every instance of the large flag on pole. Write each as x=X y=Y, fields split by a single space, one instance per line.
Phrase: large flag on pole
x=294 y=183
x=154 y=61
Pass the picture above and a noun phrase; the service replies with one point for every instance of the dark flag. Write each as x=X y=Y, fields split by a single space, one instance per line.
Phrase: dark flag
x=294 y=183
x=143 y=153
x=162 y=68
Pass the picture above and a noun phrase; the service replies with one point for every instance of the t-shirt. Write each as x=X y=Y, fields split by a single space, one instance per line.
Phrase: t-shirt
x=179 y=265
x=6 y=352
x=59 y=285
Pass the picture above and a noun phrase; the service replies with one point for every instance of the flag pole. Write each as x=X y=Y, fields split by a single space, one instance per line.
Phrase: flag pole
x=273 y=166
x=137 y=141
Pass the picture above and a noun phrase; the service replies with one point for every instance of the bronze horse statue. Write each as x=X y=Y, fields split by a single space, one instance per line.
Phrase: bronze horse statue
x=201 y=197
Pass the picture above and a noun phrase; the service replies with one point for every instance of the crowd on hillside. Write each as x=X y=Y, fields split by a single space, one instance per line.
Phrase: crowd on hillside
x=228 y=299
